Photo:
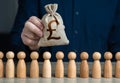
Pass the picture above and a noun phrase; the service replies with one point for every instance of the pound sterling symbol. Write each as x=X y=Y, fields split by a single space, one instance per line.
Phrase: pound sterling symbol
x=51 y=30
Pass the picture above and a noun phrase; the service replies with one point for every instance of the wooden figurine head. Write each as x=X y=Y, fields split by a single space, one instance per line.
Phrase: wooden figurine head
x=34 y=55
x=10 y=55
x=84 y=56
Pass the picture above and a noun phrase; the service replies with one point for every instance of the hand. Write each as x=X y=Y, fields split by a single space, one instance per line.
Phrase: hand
x=32 y=32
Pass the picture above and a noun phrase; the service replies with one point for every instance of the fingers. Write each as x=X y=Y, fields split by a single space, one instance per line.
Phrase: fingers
x=30 y=42
x=36 y=21
x=33 y=29
x=30 y=35
x=32 y=32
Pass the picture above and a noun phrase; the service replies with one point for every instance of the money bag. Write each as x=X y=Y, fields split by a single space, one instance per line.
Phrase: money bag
x=54 y=29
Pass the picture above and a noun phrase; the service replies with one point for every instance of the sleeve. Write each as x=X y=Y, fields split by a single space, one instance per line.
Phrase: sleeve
x=26 y=9
x=114 y=39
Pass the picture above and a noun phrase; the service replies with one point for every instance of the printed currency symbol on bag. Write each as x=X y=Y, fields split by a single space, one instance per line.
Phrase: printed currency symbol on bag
x=51 y=30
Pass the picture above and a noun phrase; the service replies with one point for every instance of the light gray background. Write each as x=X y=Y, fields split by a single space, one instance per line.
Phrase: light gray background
x=8 y=9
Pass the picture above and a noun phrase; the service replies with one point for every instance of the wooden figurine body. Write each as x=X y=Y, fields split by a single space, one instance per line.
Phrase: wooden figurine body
x=59 y=69
x=117 y=65
x=84 y=68
x=1 y=65
x=72 y=65
x=21 y=66
x=108 y=65
x=46 y=71
x=10 y=66
x=34 y=66
x=96 y=67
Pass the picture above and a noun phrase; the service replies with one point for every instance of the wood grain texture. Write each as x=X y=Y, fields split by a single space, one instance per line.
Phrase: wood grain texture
x=72 y=65
x=84 y=67
x=96 y=67
x=34 y=66
x=59 y=68
x=1 y=69
x=10 y=69
x=21 y=69
x=117 y=65
x=1 y=65
x=34 y=69
x=108 y=65
x=10 y=66
x=21 y=65
x=46 y=70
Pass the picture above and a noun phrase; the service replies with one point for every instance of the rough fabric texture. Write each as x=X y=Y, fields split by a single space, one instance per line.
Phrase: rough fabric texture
x=54 y=33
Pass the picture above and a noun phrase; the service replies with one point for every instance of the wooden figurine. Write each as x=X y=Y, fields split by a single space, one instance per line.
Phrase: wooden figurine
x=117 y=65
x=46 y=71
x=96 y=67
x=21 y=66
x=10 y=66
x=1 y=65
x=108 y=65
x=59 y=69
x=34 y=66
x=71 y=65
x=84 y=68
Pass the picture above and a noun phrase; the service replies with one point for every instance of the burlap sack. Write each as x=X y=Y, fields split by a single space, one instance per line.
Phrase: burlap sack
x=54 y=33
